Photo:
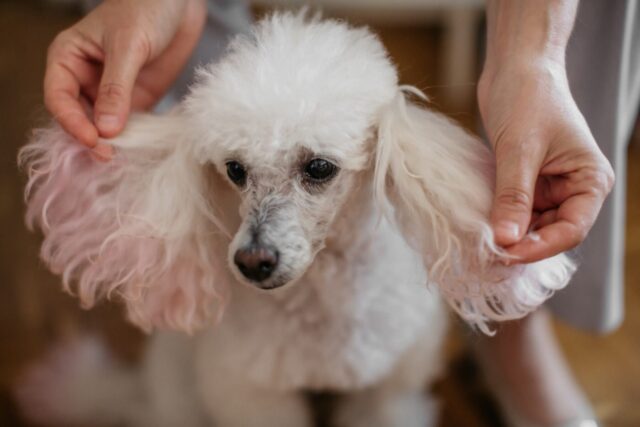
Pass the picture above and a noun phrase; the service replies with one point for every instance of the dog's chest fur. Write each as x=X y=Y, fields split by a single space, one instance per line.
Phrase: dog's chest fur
x=343 y=325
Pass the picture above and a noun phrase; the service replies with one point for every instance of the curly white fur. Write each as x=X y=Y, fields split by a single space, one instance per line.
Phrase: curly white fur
x=155 y=225
x=136 y=226
x=440 y=180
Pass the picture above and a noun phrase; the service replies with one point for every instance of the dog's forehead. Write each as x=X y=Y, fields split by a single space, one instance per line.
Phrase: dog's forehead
x=294 y=82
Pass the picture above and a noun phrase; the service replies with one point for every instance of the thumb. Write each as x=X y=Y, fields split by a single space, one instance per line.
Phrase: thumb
x=516 y=174
x=124 y=56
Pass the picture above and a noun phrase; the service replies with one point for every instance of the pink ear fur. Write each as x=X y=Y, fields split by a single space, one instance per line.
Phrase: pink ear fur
x=138 y=227
x=440 y=180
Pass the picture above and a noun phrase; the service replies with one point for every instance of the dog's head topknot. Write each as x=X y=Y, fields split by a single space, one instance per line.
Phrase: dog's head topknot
x=299 y=71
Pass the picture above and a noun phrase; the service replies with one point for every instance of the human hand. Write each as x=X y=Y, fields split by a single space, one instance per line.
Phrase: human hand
x=551 y=175
x=123 y=55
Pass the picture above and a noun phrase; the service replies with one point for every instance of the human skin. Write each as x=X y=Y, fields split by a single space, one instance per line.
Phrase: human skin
x=551 y=175
x=122 y=56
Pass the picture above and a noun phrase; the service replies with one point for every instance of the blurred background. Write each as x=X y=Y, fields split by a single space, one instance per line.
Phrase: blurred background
x=435 y=44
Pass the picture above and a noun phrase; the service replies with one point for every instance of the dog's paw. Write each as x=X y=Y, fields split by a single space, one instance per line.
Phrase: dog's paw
x=62 y=388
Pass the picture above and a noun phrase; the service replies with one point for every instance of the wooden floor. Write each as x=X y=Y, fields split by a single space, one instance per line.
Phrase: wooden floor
x=34 y=313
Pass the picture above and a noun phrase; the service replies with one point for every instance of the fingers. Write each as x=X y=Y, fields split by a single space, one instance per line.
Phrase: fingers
x=516 y=175
x=555 y=238
x=125 y=53
x=569 y=206
x=540 y=220
x=549 y=241
x=62 y=99
x=560 y=230
x=68 y=74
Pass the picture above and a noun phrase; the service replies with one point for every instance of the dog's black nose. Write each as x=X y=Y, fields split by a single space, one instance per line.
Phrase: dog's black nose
x=256 y=262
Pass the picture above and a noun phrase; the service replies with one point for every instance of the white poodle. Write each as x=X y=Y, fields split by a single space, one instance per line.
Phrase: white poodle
x=299 y=218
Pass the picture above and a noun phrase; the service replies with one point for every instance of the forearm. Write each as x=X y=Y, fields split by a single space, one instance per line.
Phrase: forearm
x=525 y=30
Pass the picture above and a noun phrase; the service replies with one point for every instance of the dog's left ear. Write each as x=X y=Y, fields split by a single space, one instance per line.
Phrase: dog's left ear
x=439 y=180
x=140 y=227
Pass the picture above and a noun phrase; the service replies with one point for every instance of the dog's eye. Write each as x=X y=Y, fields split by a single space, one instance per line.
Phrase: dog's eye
x=320 y=170
x=236 y=173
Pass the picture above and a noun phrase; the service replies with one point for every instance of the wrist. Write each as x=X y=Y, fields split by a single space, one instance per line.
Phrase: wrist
x=526 y=40
x=535 y=75
x=522 y=31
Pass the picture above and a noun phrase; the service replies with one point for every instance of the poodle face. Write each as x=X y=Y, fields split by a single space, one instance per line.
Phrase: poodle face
x=290 y=139
x=288 y=200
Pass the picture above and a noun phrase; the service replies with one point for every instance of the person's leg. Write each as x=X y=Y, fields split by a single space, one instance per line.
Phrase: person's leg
x=525 y=367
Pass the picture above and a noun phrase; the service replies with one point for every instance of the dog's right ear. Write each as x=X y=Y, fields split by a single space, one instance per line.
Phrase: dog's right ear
x=138 y=226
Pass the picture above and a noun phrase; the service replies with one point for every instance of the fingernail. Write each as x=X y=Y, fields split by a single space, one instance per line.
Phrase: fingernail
x=509 y=261
x=108 y=122
x=508 y=229
x=506 y=262
x=533 y=236
x=103 y=152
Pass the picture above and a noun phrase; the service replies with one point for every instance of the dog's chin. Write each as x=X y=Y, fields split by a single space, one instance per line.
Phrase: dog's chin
x=270 y=285
x=278 y=281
